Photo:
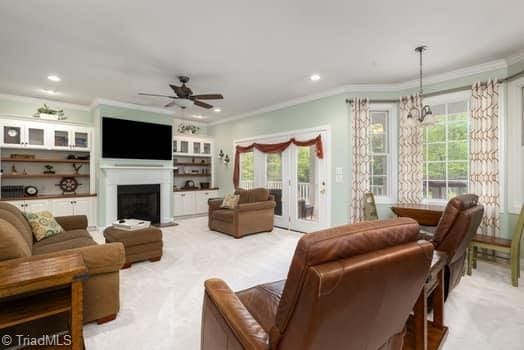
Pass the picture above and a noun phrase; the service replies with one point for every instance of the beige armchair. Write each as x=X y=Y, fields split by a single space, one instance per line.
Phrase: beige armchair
x=254 y=214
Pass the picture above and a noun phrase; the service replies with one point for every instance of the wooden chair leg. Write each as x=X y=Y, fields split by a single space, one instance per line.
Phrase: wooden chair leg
x=514 y=260
x=470 y=260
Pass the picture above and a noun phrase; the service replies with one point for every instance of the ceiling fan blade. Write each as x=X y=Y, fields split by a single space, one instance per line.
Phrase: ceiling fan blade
x=172 y=103
x=144 y=94
x=203 y=104
x=207 y=97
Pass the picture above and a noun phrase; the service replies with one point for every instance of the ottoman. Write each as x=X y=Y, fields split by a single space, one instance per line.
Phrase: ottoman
x=140 y=245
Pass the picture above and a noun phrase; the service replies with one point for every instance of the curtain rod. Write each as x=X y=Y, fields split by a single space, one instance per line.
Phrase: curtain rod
x=447 y=91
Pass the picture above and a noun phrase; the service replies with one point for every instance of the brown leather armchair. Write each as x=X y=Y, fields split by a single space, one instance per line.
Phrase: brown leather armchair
x=254 y=213
x=349 y=287
x=456 y=228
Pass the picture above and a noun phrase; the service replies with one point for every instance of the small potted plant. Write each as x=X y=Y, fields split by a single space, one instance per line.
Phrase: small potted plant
x=188 y=129
x=46 y=112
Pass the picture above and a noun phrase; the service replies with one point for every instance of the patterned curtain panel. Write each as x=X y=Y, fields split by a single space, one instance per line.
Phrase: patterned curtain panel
x=484 y=153
x=360 y=124
x=411 y=161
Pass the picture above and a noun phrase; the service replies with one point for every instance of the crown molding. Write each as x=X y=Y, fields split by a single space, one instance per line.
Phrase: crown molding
x=455 y=74
x=26 y=99
x=515 y=58
x=359 y=88
x=102 y=101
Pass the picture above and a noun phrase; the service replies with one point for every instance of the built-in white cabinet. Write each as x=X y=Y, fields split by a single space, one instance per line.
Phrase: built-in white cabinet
x=70 y=138
x=35 y=135
x=192 y=146
x=17 y=134
x=61 y=206
x=192 y=202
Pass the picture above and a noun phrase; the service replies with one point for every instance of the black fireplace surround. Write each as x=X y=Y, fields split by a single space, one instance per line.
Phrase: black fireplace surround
x=140 y=202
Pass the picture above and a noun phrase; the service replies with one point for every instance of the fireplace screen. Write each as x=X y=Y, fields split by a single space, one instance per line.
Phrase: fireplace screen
x=140 y=202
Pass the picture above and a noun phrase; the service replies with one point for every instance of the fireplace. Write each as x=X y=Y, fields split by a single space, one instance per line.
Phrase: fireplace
x=139 y=202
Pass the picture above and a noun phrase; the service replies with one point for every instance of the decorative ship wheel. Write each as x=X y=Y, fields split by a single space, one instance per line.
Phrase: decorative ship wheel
x=68 y=184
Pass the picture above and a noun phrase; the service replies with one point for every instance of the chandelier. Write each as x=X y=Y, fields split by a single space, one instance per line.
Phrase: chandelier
x=420 y=112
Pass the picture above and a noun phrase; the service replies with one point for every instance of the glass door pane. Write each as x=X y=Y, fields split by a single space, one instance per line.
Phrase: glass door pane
x=35 y=137
x=306 y=184
x=12 y=135
x=81 y=139
x=184 y=147
x=207 y=148
x=274 y=179
x=247 y=171
x=61 y=138
x=196 y=147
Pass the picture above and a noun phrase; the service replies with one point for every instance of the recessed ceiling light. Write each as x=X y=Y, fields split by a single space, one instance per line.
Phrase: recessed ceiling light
x=55 y=78
x=49 y=92
x=218 y=110
x=198 y=116
x=314 y=77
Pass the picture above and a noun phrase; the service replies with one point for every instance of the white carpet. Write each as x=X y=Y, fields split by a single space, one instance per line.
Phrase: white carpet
x=161 y=302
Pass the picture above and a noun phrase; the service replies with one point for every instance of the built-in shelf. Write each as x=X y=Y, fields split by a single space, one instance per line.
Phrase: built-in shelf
x=66 y=161
x=191 y=175
x=192 y=164
x=21 y=176
x=49 y=196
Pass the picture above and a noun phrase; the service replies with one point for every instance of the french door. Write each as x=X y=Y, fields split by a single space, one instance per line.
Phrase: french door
x=296 y=178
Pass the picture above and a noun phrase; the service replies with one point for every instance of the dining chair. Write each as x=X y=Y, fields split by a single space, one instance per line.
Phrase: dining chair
x=503 y=245
x=370 y=208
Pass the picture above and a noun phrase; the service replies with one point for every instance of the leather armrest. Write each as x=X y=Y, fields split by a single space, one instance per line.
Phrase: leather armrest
x=246 y=329
x=256 y=206
x=73 y=222
x=214 y=203
x=103 y=258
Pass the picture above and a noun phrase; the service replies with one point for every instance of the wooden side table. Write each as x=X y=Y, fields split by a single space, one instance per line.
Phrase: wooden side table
x=35 y=288
x=424 y=214
x=423 y=334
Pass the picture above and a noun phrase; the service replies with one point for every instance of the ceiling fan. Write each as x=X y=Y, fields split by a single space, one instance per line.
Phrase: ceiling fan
x=184 y=96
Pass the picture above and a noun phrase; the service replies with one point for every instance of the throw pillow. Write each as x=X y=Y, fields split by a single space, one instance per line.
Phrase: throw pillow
x=43 y=224
x=230 y=201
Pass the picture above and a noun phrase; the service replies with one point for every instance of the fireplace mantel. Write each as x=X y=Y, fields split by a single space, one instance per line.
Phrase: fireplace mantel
x=112 y=176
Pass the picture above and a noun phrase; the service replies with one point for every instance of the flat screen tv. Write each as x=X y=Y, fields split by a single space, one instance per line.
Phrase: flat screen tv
x=128 y=139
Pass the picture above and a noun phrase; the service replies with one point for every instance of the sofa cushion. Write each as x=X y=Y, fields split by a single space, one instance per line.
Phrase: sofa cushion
x=64 y=236
x=262 y=302
x=13 y=215
x=226 y=215
x=43 y=224
x=39 y=248
x=258 y=195
x=12 y=243
x=244 y=195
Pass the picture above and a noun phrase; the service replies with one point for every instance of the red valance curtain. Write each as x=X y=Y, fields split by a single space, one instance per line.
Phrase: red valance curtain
x=273 y=148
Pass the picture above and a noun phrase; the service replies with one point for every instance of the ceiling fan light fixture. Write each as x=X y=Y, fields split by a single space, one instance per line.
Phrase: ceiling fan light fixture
x=184 y=102
x=217 y=110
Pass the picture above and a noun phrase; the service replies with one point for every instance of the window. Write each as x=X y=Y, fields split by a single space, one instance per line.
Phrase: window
x=379 y=153
x=446 y=152
x=247 y=170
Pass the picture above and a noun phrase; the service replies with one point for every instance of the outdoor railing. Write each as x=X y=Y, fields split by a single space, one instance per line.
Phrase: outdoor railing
x=303 y=188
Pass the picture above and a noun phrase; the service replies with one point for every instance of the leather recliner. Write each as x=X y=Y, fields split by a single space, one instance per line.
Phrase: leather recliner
x=457 y=226
x=349 y=287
